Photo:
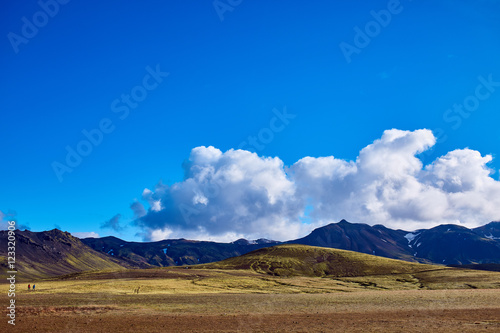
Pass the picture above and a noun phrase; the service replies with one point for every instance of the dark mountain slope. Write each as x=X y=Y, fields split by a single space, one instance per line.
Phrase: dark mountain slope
x=452 y=244
x=174 y=251
x=490 y=230
x=359 y=237
x=444 y=244
x=52 y=253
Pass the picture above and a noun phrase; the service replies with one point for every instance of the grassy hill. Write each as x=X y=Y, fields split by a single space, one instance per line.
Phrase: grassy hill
x=280 y=269
x=303 y=260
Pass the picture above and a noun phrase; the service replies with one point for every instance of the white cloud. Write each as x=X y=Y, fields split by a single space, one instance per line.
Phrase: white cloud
x=225 y=195
x=160 y=234
x=389 y=185
x=85 y=234
x=200 y=234
x=233 y=194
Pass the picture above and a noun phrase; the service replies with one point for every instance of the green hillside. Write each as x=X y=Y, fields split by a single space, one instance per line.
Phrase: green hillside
x=303 y=260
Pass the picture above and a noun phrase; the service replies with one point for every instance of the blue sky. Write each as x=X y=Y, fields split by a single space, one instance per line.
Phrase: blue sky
x=225 y=78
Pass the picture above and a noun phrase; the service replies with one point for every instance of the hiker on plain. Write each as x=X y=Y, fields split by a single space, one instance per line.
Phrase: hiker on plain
x=33 y=287
x=29 y=287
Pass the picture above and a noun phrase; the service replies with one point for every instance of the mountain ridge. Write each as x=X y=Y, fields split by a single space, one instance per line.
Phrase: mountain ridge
x=54 y=252
x=464 y=246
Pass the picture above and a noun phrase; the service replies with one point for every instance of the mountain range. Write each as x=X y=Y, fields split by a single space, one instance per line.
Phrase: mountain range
x=54 y=252
x=444 y=244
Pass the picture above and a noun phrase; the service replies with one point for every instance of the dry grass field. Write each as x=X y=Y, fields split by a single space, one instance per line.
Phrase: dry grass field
x=473 y=310
x=396 y=297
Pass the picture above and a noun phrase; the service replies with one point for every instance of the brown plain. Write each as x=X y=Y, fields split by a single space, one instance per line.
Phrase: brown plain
x=266 y=294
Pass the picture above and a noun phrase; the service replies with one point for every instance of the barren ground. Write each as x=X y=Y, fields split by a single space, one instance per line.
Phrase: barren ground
x=215 y=300
x=473 y=310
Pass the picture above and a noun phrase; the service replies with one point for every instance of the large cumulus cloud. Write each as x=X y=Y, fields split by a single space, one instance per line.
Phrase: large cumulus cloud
x=387 y=184
x=226 y=195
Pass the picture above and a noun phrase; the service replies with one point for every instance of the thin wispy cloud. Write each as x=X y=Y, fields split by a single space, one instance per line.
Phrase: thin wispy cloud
x=85 y=234
x=10 y=215
x=113 y=223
